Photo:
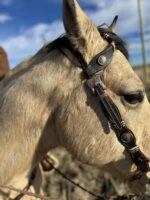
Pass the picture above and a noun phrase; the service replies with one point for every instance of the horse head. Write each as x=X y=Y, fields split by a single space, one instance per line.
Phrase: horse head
x=45 y=102
x=86 y=131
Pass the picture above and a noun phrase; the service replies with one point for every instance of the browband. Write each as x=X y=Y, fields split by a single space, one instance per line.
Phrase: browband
x=100 y=61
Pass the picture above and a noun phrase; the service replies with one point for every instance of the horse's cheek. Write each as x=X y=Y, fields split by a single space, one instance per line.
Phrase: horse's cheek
x=83 y=133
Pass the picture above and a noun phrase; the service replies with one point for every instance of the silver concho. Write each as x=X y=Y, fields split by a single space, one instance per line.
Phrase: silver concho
x=102 y=60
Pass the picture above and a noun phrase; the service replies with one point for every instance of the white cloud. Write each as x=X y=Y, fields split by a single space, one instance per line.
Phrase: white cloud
x=127 y=11
x=29 y=41
x=4 y=18
x=6 y=2
x=128 y=24
x=135 y=48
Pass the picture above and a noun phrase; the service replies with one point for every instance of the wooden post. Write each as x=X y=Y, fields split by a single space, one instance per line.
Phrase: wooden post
x=141 y=17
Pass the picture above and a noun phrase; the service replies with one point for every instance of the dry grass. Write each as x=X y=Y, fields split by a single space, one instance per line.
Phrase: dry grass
x=89 y=177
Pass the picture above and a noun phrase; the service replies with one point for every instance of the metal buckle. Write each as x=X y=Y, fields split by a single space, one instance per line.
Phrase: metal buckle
x=94 y=81
x=134 y=149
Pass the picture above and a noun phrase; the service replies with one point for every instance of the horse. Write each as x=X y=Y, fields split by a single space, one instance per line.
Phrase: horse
x=4 y=65
x=45 y=103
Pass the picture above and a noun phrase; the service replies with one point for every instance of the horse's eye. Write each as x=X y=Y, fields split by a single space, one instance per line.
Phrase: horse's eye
x=134 y=97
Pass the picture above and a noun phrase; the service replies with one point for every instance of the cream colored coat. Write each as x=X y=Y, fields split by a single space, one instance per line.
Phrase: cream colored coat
x=45 y=103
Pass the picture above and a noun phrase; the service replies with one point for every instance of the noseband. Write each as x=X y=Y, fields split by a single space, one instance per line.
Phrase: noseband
x=124 y=135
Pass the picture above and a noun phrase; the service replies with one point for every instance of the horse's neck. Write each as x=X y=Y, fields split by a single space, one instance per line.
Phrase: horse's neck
x=27 y=120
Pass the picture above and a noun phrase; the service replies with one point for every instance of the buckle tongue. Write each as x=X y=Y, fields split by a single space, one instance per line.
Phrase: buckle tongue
x=94 y=81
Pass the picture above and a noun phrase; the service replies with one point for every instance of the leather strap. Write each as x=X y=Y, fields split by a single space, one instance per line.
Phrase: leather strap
x=100 y=61
x=125 y=136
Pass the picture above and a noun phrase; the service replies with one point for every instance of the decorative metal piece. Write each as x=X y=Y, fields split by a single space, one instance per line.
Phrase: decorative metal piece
x=106 y=36
x=102 y=60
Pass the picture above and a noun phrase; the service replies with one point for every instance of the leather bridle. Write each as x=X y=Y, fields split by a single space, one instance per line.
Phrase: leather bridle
x=124 y=135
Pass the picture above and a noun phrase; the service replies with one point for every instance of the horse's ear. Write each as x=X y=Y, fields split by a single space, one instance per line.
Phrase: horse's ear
x=77 y=24
x=112 y=27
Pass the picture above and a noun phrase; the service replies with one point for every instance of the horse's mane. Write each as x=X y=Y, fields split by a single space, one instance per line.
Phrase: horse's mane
x=63 y=41
x=120 y=44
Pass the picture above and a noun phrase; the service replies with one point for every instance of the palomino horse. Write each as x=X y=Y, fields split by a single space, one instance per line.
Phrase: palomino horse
x=4 y=65
x=45 y=103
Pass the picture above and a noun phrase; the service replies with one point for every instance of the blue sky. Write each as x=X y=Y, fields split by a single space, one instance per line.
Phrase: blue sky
x=26 y=25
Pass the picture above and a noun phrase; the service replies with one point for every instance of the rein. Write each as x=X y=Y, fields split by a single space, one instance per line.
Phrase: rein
x=124 y=135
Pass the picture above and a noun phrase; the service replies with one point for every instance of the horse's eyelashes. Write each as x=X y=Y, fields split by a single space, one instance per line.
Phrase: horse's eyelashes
x=134 y=98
